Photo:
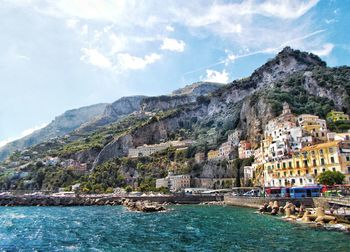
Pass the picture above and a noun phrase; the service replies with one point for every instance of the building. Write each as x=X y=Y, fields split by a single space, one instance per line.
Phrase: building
x=334 y=116
x=163 y=182
x=213 y=183
x=199 y=157
x=313 y=126
x=244 y=149
x=213 y=155
x=286 y=172
x=344 y=149
x=332 y=136
x=147 y=150
x=304 y=166
x=248 y=173
x=174 y=182
x=226 y=150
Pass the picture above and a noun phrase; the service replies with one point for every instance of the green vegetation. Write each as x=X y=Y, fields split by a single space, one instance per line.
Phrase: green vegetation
x=339 y=126
x=331 y=178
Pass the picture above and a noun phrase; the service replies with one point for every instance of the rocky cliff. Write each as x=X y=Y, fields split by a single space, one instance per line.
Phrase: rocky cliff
x=248 y=103
x=113 y=112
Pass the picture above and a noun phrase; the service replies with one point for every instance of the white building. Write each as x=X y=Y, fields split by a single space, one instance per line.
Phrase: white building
x=174 y=182
x=147 y=150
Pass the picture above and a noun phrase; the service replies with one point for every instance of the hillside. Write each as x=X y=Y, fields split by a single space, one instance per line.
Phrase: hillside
x=61 y=125
x=243 y=106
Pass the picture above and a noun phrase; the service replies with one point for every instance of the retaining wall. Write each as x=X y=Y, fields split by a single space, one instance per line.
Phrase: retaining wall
x=256 y=202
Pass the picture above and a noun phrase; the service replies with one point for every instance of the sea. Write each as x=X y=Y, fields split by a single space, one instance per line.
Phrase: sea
x=181 y=228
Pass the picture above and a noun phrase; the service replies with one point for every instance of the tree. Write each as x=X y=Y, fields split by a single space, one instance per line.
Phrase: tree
x=128 y=189
x=331 y=178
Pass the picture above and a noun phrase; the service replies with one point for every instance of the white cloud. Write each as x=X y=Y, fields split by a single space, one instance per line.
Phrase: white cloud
x=173 y=45
x=22 y=134
x=72 y=23
x=118 y=43
x=216 y=76
x=325 y=50
x=84 y=29
x=94 y=57
x=285 y=9
x=169 y=28
x=127 y=61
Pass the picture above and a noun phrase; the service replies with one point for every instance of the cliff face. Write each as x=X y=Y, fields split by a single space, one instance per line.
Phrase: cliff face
x=61 y=125
x=113 y=112
x=153 y=132
x=198 y=89
x=245 y=101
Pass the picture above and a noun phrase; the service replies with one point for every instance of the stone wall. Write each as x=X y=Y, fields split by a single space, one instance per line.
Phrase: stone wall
x=256 y=202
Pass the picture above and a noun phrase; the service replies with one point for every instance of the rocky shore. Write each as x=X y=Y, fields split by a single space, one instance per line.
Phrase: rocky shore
x=312 y=216
x=99 y=200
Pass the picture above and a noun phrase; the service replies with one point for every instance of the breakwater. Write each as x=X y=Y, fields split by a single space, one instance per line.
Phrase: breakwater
x=87 y=200
x=256 y=202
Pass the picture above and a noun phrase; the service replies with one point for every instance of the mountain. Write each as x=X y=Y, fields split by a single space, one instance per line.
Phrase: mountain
x=241 y=108
x=113 y=112
x=246 y=105
x=88 y=119
x=198 y=88
x=61 y=125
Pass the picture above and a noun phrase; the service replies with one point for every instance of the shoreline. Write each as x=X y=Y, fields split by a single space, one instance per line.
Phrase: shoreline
x=100 y=200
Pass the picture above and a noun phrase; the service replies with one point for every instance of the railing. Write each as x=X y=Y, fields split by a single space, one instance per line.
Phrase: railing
x=344 y=201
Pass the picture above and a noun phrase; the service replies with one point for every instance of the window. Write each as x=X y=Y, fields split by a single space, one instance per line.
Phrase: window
x=307 y=172
x=333 y=169
x=321 y=152
x=324 y=169
x=315 y=171
x=284 y=165
x=298 y=172
x=298 y=165
x=291 y=173
x=293 y=181
x=322 y=161
x=305 y=163
x=348 y=169
x=285 y=174
x=332 y=160
x=314 y=162
x=347 y=158
x=278 y=166
x=290 y=164
x=330 y=150
x=301 y=181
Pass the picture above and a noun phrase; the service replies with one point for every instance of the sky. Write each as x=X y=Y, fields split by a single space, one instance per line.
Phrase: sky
x=64 y=54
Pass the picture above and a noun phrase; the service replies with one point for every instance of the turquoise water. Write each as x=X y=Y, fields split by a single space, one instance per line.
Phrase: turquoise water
x=184 y=228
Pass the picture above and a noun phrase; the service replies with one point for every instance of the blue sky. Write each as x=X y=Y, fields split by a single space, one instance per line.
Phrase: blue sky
x=63 y=54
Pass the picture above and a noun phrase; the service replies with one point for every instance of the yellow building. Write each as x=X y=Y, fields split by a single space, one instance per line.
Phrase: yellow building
x=213 y=154
x=313 y=126
x=304 y=166
x=337 y=116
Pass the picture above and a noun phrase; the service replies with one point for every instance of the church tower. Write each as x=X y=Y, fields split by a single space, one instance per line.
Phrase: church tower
x=286 y=109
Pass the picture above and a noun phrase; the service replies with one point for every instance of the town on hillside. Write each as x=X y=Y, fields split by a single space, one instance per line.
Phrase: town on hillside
x=294 y=151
